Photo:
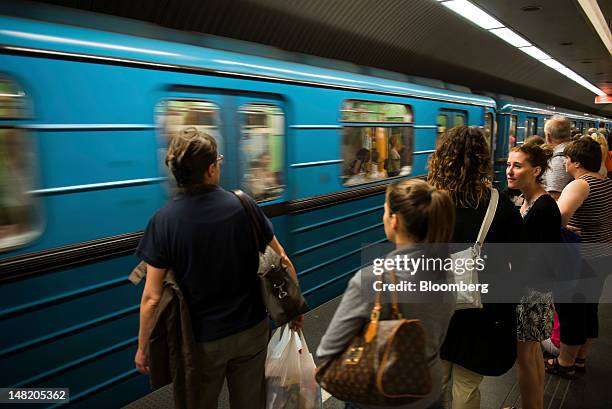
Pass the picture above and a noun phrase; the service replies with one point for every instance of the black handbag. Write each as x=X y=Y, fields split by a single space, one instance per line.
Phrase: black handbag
x=280 y=291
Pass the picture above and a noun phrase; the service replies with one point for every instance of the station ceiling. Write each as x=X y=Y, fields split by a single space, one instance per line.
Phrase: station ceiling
x=414 y=37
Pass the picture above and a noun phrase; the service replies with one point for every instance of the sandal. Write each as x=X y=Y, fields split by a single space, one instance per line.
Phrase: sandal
x=580 y=364
x=556 y=369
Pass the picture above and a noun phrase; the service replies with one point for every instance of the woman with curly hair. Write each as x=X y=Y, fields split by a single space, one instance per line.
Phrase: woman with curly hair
x=482 y=341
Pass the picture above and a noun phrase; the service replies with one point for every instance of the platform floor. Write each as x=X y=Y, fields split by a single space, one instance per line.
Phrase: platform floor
x=592 y=390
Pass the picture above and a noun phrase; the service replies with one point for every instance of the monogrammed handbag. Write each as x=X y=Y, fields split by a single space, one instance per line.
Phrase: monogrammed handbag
x=280 y=291
x=385 y=365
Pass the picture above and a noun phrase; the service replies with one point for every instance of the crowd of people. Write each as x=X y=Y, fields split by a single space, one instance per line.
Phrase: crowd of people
x=564 y=192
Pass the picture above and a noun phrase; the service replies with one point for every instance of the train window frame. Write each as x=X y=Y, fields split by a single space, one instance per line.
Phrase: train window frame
x=392 y=140
x=164 y=139
x=28 y=208
x=279 y=147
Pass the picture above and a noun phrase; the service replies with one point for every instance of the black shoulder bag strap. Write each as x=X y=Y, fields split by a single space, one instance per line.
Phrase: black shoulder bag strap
x=254 y=222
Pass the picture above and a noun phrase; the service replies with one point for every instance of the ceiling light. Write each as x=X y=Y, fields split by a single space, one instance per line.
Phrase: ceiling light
x=535 y=52
x=554 y=64
x=577 y=78
x=473 y=13
x=510 y=37
x=593 y=12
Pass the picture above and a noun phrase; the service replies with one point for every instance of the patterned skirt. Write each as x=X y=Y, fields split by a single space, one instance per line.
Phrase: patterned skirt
x=535 y=316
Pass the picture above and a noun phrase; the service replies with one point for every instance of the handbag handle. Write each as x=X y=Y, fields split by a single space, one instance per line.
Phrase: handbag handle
x=488 y=219
x=254 y=222
x=375 y=314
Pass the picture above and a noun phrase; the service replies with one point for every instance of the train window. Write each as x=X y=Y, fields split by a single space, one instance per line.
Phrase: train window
x=458 y=120
x=488 y=128
x=368 y=111
x=174 y=116
x=442 y=124
x=512 y=132
x=17 y=208
x=376 y=153
x=531 y=126
x=261 y=147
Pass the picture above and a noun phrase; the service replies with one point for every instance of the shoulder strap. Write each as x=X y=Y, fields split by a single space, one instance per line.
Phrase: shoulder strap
x=254 y=222
x=488 y=219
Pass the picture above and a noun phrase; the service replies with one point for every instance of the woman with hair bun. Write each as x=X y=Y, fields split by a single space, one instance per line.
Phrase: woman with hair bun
x=524 y=171
x=417 y=217
x=480 y=342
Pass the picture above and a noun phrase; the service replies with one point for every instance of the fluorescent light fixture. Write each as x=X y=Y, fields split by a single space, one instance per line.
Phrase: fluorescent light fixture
x=593 y=12
x=473 y=13
x=552 y=63
x=510 y=37
x=577 y=78
x=535 y=52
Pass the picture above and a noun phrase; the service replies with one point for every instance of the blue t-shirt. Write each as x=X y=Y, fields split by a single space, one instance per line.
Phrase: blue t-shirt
x=205 y=237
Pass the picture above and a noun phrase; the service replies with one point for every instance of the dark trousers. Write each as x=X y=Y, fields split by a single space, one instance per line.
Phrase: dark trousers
x=577 y=322
x=239 y=358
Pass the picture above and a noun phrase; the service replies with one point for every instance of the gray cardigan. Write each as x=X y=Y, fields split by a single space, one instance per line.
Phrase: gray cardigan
x=433 y=309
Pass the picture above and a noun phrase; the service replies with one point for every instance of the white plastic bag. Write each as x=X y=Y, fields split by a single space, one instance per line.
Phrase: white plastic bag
x=310 y=397
x=290 y=369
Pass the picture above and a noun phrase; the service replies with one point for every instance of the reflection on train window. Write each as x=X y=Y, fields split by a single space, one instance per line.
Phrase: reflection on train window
x=368 y=111
x=512 y=132
x=174 y=116
x=262 y=150
x=375 y=153
x=442 y=124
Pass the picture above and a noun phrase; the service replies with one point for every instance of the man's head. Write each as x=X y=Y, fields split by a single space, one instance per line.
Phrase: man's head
x=557 y=130
x=193 y=159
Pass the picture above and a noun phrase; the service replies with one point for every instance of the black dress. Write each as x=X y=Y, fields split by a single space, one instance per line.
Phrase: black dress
x=535 y=312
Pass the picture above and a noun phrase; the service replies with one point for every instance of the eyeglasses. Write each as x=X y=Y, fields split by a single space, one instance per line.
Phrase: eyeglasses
x=220 y=158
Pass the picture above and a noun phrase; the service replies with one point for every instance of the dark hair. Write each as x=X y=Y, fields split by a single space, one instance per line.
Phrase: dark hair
x=537 y=155
x=190 y=153
x=427 y=214
x=462 y=165
x=585 y=151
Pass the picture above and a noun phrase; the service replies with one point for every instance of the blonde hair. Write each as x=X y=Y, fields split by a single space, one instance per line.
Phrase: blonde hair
x=603 y=143
x=426 y=213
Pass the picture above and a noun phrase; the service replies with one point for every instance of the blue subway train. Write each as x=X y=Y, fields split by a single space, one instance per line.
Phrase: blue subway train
x=85 y=116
